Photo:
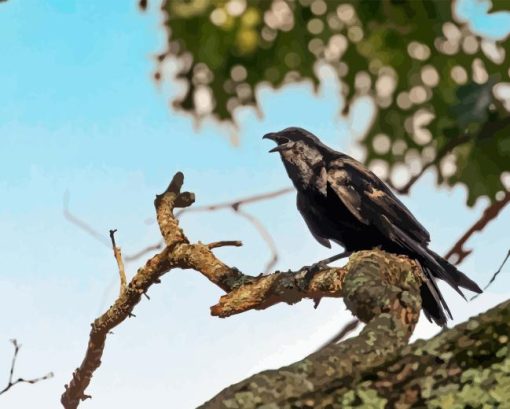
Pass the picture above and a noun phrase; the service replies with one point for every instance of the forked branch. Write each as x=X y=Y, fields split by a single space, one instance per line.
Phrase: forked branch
x=12 y=382
x=245 y=292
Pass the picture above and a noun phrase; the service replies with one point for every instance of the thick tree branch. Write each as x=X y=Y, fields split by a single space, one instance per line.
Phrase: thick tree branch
x=381 y=290
x=12 y=382
x=463 y=367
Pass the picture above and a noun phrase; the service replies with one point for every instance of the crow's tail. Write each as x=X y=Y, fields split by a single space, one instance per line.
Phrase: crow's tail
x=434 y=266
x=453 y=276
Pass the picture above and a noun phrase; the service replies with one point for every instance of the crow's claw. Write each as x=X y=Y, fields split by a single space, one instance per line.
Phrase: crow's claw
x=310 y=271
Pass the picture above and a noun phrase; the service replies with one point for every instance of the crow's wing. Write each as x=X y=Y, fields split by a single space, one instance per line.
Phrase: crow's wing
x=372 y=203
x=369 y=199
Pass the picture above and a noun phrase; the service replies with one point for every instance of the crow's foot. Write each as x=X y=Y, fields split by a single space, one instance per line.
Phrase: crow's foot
x=310 y=271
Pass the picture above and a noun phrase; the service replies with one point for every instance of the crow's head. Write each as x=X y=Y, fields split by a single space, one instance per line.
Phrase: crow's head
x=289 y=138
x=301 y=152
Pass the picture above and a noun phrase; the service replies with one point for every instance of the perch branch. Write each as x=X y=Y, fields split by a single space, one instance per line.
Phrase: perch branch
x=12 y=382
x=247 y=292
x=382 y=290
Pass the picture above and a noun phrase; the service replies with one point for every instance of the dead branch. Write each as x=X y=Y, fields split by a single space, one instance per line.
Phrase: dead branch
x=12 y=382
x=142 y=252
x=216 y=244
x=118 y=257
x=237 y=202
x=234 y=205
x=244 y=292
x=457 y=253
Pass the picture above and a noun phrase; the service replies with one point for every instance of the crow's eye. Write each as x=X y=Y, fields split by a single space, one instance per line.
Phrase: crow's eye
x=282 y=140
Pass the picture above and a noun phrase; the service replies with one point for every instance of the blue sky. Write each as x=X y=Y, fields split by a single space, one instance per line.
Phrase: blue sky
x=80 y=113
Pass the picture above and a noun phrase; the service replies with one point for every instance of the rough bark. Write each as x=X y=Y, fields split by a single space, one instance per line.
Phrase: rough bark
x=464 y=367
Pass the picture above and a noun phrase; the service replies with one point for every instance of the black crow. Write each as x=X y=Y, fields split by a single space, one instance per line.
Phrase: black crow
x=341 y=200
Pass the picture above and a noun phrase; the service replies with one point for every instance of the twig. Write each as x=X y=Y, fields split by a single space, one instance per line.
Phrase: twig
x=81 y=224
x=489 y=214
x=21 y=380
x=265 y=235
x=493 y=278
x=236 y=203
x=118 y=256
x=216 y=244
x=235 y=206
x=148 y=249
x=347 y=329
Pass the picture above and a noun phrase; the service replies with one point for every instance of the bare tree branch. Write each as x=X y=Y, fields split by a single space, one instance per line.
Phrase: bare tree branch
x=457 y=253
x=238 y=202
x=216 y=244
x=12 y=382
x=118 y=257
x=235 y=206
x=148 y=249
x=244 y=292
x=266 y=236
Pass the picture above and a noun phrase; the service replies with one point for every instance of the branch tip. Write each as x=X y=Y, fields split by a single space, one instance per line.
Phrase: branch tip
x=216 y=244
x=184 y=199
x=120 y=263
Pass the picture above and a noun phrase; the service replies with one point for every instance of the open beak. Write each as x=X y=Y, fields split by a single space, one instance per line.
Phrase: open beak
x=274 y=137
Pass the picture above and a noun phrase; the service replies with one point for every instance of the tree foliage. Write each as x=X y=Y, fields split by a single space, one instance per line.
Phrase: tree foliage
x=434 y=81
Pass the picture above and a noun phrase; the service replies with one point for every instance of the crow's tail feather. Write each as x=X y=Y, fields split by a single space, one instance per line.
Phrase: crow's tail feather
x=455 y=277
x=433 y=303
